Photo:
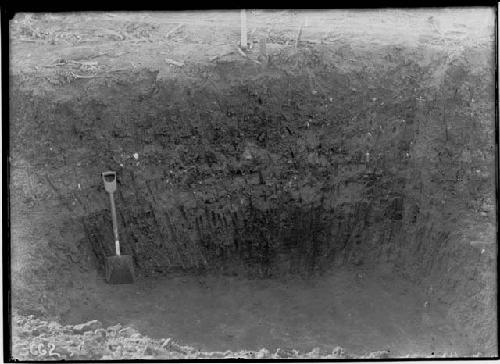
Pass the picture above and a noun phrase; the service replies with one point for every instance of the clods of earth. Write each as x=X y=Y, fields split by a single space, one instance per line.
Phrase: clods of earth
x=35 y=339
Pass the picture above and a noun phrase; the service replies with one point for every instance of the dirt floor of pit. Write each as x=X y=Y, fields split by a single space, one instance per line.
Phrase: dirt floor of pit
x=360 y=310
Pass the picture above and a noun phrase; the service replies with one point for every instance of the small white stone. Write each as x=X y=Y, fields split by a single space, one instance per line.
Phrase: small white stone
x=136 y=155
x=482 y=251
x=79 y=186
x=121 y=164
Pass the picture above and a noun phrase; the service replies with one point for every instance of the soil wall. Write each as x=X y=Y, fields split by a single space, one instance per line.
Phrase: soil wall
x=310 y=159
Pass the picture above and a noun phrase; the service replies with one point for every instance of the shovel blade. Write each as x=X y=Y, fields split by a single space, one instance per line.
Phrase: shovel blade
x=120 y=269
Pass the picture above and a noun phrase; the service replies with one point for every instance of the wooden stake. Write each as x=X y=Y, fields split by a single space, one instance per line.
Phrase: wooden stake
x=262 y=50
x=299 y=34
x=243 y=41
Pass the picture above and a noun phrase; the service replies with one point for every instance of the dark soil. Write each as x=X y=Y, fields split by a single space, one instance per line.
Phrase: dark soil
x=272 y=183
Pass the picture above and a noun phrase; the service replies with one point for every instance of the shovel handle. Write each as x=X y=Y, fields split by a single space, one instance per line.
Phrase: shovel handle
x=115 y=224
x=109 y=179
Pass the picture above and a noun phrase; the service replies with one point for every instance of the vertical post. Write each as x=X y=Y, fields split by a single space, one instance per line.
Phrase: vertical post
x=497 y=169
x=243 y=41
x=299 y=34
x=262 y=50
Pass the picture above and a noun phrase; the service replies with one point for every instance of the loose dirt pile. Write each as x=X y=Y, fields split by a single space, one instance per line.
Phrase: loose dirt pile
x=36 y=339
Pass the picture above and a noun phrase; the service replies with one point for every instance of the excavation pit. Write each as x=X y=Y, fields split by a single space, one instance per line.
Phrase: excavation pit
x=337 y=193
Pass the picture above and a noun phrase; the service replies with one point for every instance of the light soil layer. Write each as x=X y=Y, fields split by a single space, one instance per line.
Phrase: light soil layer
x=369 y=145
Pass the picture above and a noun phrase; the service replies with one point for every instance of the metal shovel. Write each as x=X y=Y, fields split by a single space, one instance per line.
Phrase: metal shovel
x=119 y=268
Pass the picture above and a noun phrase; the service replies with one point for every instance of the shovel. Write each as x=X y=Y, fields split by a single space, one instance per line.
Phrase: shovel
x=119 y=268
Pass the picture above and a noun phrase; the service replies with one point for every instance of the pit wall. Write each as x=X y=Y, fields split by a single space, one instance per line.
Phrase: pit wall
x=292 y=167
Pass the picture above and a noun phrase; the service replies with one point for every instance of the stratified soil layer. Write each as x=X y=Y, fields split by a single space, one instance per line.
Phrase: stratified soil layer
x=365 y=147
